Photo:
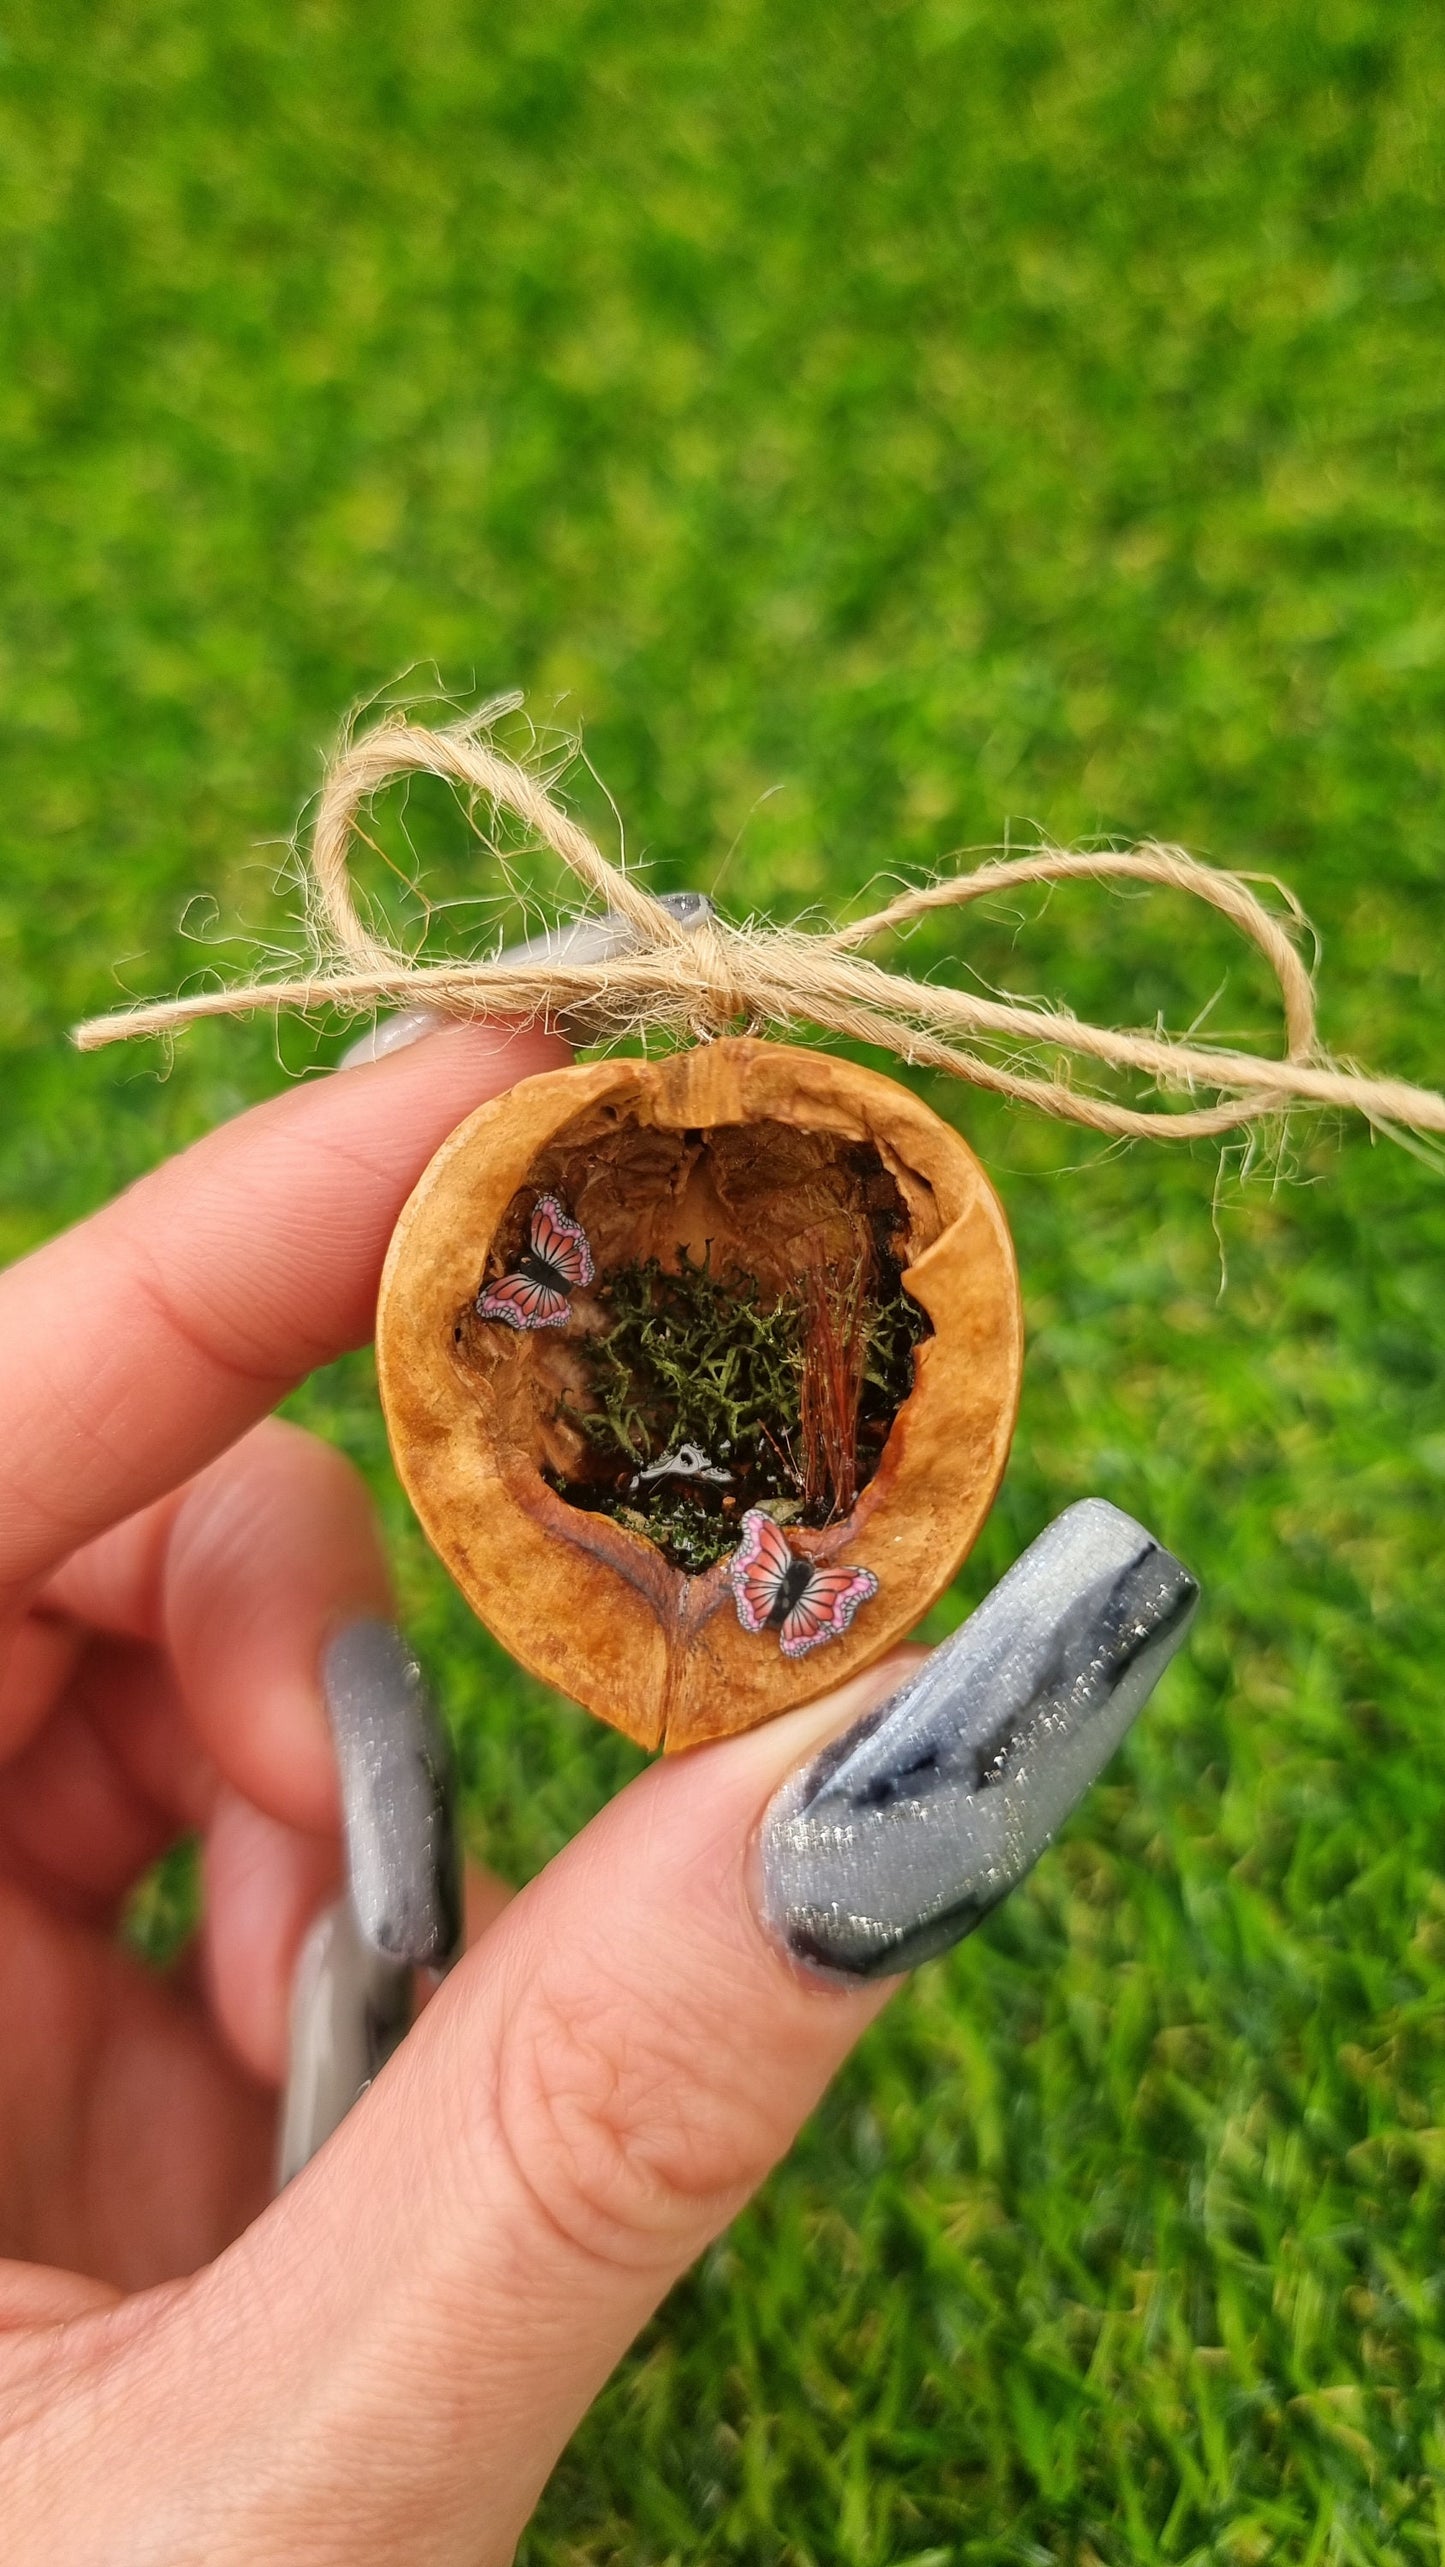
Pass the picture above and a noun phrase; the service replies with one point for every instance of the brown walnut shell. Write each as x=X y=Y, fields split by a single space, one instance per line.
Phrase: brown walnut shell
x=749 y=1146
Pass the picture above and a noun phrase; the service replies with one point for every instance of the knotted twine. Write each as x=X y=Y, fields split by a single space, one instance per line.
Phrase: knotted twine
x=692 y=984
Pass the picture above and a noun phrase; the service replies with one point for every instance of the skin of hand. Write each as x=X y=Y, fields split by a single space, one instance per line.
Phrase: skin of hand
x=385 y=2361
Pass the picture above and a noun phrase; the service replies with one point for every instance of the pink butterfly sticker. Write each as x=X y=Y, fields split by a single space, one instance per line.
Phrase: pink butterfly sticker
x=556 y=1262
x=776 y=1590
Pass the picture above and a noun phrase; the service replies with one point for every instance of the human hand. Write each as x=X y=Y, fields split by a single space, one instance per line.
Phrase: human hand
x=384 y=2361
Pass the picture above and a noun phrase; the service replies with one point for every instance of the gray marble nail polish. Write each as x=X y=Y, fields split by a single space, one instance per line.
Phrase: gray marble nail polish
x=397 y=1796
x=900 y=1836
x=591 y=940
x=393 y=1034
x=574 y=940
x=350 y=2008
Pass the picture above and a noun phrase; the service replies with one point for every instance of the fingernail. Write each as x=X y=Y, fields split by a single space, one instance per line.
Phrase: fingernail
x=397 y=1796
x=898 y=1838
x=349 y=2010
x=392 y=1034
x=573 y=940
x=592 y=940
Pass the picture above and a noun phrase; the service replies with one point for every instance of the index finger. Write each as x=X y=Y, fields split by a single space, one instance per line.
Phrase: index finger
x=137 y=1346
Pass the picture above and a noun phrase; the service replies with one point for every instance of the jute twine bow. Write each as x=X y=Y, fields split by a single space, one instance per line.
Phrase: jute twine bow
x=715 y=978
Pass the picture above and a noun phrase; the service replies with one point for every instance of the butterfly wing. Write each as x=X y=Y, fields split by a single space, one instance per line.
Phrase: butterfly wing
x=825 y=1608
x=521 y=1302
x=757 y=1569
x=561 y=1244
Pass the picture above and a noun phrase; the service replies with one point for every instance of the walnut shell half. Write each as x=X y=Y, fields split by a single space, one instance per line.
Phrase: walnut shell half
x=751 y=1147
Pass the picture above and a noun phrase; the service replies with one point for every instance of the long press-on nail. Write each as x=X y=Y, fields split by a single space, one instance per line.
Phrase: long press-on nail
x=397 y=1796
x=898 y=1838
x=350 y=2008
x=576 y=940
x=351 y=1996
x=592 y=940
x=392 y=1034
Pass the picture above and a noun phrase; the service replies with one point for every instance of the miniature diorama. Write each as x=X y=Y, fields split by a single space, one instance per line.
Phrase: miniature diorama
x=700 y=1366
x=701 y=1371
x=701 y=1375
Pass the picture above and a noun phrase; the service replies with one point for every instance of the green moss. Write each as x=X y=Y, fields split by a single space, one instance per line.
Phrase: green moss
x=697 y=1358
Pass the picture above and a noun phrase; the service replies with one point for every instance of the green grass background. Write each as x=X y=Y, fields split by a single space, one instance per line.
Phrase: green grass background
x=885 y=427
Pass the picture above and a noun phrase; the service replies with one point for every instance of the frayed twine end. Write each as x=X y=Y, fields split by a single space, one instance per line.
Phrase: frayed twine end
x=711 y=978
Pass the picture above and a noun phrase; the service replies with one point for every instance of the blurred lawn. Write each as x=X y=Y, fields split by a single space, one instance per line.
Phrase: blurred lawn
x=940 y=419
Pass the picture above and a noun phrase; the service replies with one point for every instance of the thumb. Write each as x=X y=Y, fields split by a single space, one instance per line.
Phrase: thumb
x=585 y=2103
x=401 y=2345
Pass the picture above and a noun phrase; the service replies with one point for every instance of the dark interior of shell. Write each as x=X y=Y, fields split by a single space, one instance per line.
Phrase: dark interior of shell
x=744 y=1340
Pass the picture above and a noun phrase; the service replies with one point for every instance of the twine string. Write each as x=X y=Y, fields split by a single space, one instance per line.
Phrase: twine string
x=716 y=977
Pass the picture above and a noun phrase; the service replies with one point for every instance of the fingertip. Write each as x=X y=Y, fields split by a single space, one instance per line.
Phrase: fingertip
x=422 y=1054
x=264 y=1882
x=226 y=1275
x=272 y=1551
